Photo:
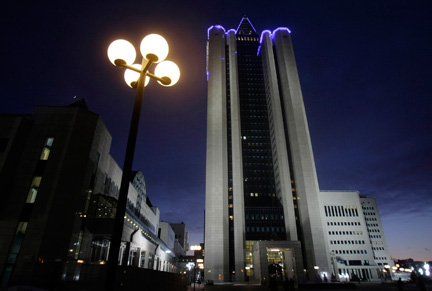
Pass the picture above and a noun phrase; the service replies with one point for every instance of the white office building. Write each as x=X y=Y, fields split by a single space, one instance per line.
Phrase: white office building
x=263 y=202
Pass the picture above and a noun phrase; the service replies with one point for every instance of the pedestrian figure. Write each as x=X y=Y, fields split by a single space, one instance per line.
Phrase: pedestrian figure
x=355 y=278
x=333 y=278
x=325 y=279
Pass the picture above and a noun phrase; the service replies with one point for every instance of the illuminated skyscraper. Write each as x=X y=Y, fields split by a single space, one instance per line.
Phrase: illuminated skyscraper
x=261 y=181
x=264 y=208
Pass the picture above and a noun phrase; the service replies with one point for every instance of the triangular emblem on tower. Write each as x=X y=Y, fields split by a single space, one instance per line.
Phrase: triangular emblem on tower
x=246 y=27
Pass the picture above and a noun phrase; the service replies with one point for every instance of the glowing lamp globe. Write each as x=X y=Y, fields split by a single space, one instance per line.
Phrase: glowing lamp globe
x=121 y=50
x=170 y=70
x=195 y=248
x=155 y=47
x=131 y=76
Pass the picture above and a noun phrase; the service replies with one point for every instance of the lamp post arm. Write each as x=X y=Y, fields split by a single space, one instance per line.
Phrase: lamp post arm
x=126 y=66
x=144 y=69
x=144 y=66
x=163 y=80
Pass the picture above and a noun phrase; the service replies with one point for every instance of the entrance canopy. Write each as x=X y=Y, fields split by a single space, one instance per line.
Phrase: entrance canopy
x=280 y=259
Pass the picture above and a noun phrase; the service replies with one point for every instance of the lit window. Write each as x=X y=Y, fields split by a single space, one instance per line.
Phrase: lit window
x=31 y=196
x=22 y=227
x=49 y=141
x=47 y=148
x=45 y=154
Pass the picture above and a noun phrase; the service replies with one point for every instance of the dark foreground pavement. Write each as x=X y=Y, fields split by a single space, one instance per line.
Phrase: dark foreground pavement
x=363 y=286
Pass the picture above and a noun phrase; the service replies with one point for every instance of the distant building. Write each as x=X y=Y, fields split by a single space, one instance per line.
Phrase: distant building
x=166 y=234
x=59 y=194
x=263 y=202
x=375 y=231
x=355 y=235
x=181 y=245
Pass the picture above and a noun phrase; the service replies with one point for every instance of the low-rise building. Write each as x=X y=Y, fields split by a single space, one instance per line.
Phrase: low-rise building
x=181 y=245
x=60 y=187
x=354 y=235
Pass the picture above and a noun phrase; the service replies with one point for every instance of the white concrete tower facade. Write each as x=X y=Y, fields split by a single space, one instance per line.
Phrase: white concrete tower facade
x=261 y=181
x=216 y=215
x=281 y=73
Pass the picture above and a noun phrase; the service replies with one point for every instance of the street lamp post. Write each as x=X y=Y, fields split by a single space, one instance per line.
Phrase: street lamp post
x=195 y=249
x=334 y=264
x=316 y=270
x=121 y=53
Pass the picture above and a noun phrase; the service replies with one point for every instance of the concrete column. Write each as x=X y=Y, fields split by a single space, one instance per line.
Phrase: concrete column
x=216 y=211
x=278 y=139
x=237 y=163
x=302 y=158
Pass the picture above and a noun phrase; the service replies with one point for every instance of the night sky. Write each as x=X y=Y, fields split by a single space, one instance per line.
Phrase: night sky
x=365 y=70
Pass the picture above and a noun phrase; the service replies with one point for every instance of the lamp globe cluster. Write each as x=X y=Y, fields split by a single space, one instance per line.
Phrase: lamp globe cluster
x=154 y=49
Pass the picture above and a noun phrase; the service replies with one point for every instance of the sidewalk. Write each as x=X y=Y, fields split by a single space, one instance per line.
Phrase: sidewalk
x=369 y=286
x=197 y=287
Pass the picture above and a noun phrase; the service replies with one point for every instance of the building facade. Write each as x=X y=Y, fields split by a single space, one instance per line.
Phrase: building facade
x=375 y=231
x=261 y=180
x=355 y=236
x=59 y=195
x=181 y=244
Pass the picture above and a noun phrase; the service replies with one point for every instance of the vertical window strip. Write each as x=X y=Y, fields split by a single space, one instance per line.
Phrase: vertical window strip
x=31 y=196
x=22 y=225
x=46 y=150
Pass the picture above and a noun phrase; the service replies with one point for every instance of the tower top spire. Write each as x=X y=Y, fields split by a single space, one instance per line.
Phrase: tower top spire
x=246 y=28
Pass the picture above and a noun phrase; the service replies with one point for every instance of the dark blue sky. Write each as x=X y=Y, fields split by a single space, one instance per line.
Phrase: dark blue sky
x=365 y=70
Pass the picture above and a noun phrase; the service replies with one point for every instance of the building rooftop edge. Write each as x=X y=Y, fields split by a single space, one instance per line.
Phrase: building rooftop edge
x=357 y=191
